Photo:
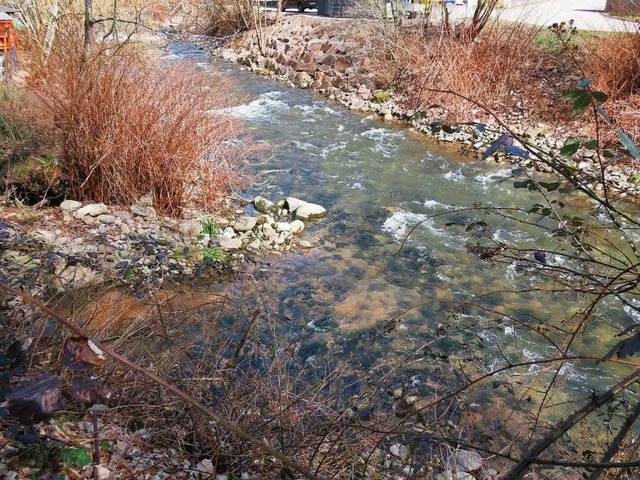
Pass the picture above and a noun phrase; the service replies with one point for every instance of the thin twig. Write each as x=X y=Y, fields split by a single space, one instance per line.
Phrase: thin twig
x=164 y=383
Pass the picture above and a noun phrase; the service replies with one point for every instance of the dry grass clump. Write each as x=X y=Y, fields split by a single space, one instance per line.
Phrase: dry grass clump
x=489 y=69
x=613 y=62
x=128 y=126
x=224 y=17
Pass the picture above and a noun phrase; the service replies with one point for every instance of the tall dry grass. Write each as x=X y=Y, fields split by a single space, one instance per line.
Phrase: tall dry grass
x=613 y=62
x=128 y=126
x=493 y=68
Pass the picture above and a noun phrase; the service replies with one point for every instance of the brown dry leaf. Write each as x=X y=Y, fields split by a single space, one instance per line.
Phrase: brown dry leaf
x=35 y=399
x=78 y=355
x=88 y=391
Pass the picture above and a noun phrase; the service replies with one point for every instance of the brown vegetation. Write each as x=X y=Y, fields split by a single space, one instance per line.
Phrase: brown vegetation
x=493 y=68
x=128 y=126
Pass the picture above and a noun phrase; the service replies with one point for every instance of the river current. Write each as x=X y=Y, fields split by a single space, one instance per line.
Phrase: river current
x=356 y=298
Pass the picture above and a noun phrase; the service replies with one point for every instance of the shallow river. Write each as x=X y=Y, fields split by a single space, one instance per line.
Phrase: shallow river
x=355 y=297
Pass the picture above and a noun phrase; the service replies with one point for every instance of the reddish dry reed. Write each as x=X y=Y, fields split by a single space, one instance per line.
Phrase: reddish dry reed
x=128 y=126
x=613 y=62
x=491 y=69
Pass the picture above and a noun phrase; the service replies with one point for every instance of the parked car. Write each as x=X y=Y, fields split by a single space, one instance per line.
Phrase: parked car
x=301 y=5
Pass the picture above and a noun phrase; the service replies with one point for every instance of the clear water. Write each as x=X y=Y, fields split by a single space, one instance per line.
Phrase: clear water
x=356 y=298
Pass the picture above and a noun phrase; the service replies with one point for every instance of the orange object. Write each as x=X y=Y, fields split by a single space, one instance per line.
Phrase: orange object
x=8 y=36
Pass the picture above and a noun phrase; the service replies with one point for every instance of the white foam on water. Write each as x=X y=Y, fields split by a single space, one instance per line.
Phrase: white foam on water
x=336 y=147
x=454 y=175
x=435 y=204
x=443 y=277
x=304 y=146
x=357 y=186
x=494 y=177
x=262 y=107
x=386 y=141
x=511 y=236
x=635 y=316
x=510 y=273
x=400 y=223
x=340 y=128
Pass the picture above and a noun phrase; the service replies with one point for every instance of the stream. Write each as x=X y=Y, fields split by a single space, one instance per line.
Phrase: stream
x=358 y=299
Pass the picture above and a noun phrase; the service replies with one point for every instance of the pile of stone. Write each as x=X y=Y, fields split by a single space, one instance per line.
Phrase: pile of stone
x=275 y=229
x=80 y=244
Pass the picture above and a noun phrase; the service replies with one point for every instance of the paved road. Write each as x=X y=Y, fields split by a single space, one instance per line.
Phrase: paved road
x=587 y=14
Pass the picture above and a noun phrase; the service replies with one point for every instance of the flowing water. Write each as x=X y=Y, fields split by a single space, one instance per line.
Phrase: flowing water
x=356 y=297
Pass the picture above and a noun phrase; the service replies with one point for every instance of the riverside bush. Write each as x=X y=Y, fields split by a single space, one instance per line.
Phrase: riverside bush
x=128 y=126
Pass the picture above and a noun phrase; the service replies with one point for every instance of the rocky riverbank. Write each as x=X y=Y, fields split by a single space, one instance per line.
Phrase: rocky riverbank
x=77 y=245
x=316 y=53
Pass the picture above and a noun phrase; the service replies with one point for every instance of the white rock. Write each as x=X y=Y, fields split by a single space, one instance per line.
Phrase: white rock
x=230 y=243
x=400 y=451
x=297 y=226
x=144 y=212
x=309 y=211
x=255 y=245
x=306 y=244
x=70 y=205
x=205 y=466
x=263 y=205
x=46 y=236
x=283 y=227
x=269 y=231
x=229 y=233
x=245 y=224
x=107 y=219
x=293 y=204
x=91 y=210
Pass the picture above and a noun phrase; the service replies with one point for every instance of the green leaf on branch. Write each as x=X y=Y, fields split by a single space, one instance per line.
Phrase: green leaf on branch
x=522 y=184
x=600 y=96
x=571 y=146
x=591 y=145
x=628 y=144
x=572 y=94
x=550 y=186
x=581 y=103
